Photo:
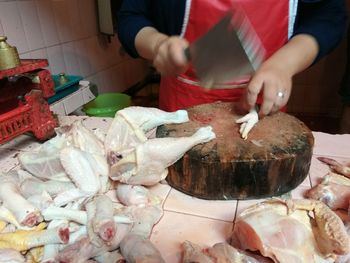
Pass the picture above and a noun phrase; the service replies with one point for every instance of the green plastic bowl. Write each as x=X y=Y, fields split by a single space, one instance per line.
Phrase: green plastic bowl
x=107 y=104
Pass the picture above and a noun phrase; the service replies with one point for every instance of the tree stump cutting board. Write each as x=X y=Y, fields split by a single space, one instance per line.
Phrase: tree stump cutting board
x=273 y=160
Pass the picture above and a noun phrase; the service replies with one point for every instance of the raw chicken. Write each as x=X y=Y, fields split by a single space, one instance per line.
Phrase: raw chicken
x=138 y=249
x=11 y=256
x=136 y=246
x=24 y=212
x=77 y=216
x=45 y=162
x=79 y=136
x=84 y=249
x=193 y=253
x=223 y=252
x=284 y=232
x=130 y=126
x=103 y=221
x=34 y=186
x=148 y=164
x=219 y=253
x=80 y=167
x=23 y=240
x=334 y=191
x=336 y=166
x=135 y=195
x=110 y=257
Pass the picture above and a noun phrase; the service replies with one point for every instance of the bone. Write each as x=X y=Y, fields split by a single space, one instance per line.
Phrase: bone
x=23 y=240
x=24 y=212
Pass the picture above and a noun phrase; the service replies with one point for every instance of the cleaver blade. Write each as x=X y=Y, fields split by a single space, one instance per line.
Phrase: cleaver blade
x=228 y=52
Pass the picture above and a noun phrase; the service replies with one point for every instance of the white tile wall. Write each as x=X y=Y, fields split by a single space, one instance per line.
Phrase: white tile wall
x=66 y=33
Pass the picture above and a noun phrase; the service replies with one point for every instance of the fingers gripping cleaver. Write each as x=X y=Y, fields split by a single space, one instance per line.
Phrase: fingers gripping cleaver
x=229 y=51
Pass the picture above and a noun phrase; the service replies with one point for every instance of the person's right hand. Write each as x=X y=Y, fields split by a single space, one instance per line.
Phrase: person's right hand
x=169 y=57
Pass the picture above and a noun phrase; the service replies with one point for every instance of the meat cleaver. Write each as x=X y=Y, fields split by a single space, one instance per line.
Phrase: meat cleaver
x=228 y=52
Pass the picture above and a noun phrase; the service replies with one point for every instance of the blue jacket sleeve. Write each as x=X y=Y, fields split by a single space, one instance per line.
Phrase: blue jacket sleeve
x=132 y=17
x=164 y=15
x=325 y=20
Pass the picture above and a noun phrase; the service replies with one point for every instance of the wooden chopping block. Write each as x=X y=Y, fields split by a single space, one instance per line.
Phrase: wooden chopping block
x=274 y=159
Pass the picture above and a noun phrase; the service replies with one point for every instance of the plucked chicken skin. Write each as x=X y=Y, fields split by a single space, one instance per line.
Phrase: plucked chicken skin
x=284 y=231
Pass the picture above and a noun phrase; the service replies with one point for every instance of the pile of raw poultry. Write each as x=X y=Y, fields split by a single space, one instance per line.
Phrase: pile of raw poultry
x=58 y=206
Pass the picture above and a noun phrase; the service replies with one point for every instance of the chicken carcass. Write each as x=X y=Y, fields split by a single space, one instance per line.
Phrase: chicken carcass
x=148 y=163
x=130 y=125
x=284 y=232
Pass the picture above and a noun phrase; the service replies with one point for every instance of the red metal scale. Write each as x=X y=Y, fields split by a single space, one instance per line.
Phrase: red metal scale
x=23 y=101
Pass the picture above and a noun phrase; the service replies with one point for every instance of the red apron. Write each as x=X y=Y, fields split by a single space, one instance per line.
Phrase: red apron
x=270 y=18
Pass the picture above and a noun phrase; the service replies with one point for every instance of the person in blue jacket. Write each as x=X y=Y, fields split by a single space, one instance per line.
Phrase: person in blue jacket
x=295 y=34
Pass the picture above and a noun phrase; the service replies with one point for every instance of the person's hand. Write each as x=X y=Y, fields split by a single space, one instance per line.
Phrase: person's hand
x=169 y=58
x=275 y=82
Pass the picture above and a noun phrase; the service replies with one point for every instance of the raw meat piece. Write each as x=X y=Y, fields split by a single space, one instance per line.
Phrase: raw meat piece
x=148 y=118
x=336 y=166
x=144 y=217
x=11 y=256
x=24 y=212
x=79 y=136
x=33 y=186
x=83 y=249
x=283 y=231
x=334 y=191
x=138 y=249
x=135 y=195
x=7 y=216
x=219 y=253
x=103 y=221
x=147 y=165
x=23 y=240
x=79 y=166
x=192 y=253
x=223 y=252
x=136 y=246
x=45 y=162
x=42 y=201
x=110 y=257
x=130 y=125
x=77 y=216
x=51 y=250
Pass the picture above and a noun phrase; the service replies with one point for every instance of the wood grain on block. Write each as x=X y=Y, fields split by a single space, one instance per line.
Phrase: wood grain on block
x=273 y=160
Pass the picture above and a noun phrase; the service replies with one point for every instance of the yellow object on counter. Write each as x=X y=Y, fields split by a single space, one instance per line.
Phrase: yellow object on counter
x=21 y=240
x=35 y=255
x=2 y=225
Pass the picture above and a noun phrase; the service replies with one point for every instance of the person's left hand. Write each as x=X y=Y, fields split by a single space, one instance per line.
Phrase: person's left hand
x=275 y=82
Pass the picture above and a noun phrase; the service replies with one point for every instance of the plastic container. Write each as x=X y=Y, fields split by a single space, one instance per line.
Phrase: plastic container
x=107 y=104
